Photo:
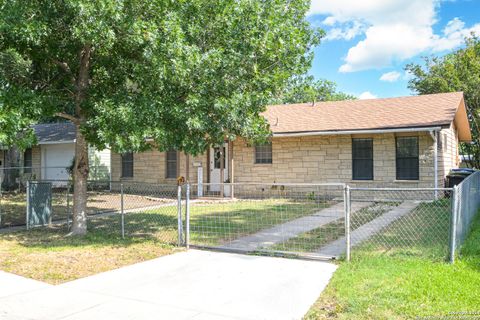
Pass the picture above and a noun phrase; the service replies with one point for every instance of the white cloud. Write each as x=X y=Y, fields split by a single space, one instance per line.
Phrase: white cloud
x=346 y=32
x=394 y=30
x=367 y=95
x=390 y=76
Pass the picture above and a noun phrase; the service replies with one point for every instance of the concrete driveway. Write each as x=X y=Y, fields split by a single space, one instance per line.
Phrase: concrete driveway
x=188 y=285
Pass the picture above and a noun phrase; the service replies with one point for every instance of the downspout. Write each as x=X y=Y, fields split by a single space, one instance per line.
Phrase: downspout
x=434 y=135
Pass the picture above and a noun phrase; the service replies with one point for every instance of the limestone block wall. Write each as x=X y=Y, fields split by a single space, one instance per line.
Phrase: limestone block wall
x=312 y=159
x=150 y=167
x=326 y=159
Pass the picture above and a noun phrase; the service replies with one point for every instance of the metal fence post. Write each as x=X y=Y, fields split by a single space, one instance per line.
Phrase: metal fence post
x=179 y=217
x=28 y=205
x=453 y=225
x=347 y=221
x=68 y=205
x=122 y=211
x=187 y=218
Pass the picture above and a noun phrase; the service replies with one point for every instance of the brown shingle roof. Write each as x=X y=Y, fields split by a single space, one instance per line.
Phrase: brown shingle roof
x=404 y=112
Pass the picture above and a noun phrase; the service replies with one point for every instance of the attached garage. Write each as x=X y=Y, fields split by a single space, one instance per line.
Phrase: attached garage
x=55 y=159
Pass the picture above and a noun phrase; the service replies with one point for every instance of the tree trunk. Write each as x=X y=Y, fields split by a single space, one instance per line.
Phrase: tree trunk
x=80 y=177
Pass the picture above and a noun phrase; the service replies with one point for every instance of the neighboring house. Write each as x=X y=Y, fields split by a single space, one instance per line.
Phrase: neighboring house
x=54 y=153
x=401 y=142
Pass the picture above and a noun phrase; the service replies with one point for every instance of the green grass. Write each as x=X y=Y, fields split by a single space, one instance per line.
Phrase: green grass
x=13 y=207
x=316 y=238
x=422 y=233
x=216 y=223
x=408 y=280
x=46 y=254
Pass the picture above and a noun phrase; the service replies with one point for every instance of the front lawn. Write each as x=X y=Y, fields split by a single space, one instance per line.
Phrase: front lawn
x=47 y=255
x=405 y=282
x=215 y=222
x=313 y=240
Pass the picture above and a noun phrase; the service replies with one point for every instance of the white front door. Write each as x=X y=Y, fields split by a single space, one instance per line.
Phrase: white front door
x=215 y=165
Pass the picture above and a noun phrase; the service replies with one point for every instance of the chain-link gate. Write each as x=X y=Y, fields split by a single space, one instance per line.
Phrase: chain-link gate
x=272 y=219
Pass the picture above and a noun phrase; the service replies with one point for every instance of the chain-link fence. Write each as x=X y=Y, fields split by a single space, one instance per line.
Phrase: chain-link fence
x=308 y=220
x=408 y=222
x=14 y=179
x=467 y=206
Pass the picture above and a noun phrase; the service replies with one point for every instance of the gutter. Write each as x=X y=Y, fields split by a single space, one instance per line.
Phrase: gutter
x=56 y=142
x=367 y=131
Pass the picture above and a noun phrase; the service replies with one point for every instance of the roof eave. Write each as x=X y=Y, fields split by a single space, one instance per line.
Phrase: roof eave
x=56 y=142
x=359 y=131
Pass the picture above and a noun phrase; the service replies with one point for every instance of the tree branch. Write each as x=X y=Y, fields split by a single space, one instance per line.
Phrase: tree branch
x=68 y=117
x=64 y=66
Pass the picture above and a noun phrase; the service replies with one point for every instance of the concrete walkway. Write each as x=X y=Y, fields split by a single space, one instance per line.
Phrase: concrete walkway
x=282 y=232
x=11 y=284
x=189 y=285
x=366 y=231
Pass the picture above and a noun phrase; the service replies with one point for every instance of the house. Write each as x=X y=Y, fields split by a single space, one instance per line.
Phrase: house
x=53 y=154
x=398 y=142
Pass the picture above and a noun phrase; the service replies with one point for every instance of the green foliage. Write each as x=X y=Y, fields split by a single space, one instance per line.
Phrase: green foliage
x=184 y=73
x=305 y=89
x=458 y=71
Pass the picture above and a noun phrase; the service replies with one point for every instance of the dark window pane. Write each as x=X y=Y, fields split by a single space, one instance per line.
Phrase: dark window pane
x=171 y=159
x=127 y=165
x=263 y=153
x=218 y=156
x=407 y=162
x=27 y=161
x=362 y=159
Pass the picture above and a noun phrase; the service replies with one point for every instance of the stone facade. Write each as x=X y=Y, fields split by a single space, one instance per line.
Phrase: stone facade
x=328 y=159
x=310 y=159
x=150 y=167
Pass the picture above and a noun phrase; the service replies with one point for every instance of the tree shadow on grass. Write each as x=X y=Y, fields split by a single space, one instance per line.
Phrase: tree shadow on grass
x=102 y=231
x=209 y=225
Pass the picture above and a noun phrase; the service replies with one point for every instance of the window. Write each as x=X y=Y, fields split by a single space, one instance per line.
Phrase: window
x=27 y=161
x=263 y=153
x=407 y=158
x=217 y=156
x=127 y=165
x=362 y=159
x=171 y=171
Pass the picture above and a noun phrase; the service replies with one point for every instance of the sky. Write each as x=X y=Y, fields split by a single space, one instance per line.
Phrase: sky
x=368 y=43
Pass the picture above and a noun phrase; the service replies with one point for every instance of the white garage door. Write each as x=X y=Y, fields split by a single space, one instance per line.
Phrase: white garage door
x=55 y=159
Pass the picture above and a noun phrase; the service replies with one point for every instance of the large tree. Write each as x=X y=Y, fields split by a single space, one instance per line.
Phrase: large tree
x=302 y=89
x=185 y=73
x=457 y=71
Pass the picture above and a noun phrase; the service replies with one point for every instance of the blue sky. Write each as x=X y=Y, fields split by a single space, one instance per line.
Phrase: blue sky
x=369 y=42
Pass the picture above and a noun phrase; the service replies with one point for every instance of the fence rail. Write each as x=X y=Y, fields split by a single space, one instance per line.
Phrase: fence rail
x=308 y=220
